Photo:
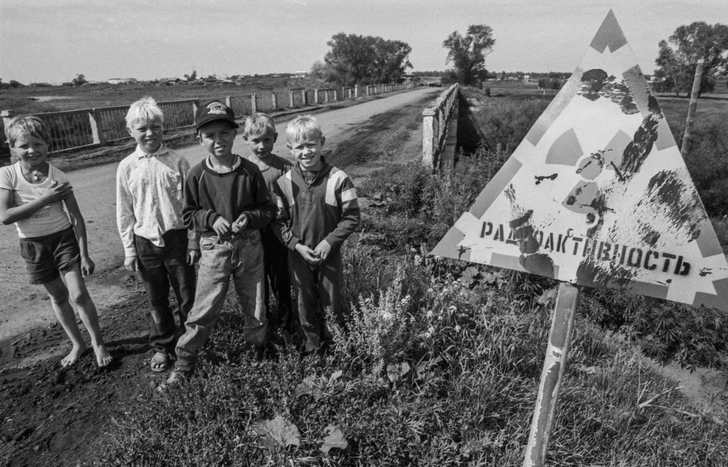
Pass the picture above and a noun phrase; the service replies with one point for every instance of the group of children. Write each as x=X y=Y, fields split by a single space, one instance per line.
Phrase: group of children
x=258 y=219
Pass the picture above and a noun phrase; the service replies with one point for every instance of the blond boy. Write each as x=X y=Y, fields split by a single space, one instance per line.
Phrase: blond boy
x=157 y=244
x=317 y=211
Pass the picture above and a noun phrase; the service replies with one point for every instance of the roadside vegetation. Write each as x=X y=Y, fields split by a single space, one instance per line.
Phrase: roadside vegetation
x=441 y=360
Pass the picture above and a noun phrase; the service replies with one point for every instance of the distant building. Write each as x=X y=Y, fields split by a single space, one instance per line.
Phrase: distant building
x=122 y=81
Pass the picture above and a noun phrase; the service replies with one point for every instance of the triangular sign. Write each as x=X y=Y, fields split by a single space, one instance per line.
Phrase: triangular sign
x=597 y=194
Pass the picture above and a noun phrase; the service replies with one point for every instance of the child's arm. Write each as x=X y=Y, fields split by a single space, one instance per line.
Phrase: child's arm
x=193 y=238
x=125 y=220
x=9 y=214
x=196 y=217
x=79 y=226
x=265 y=209
x=348 y=222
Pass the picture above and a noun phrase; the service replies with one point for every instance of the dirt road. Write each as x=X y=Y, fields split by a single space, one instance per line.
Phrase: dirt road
x=23 y=307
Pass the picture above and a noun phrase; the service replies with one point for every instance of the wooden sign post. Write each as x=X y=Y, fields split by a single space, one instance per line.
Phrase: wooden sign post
x=562 y=324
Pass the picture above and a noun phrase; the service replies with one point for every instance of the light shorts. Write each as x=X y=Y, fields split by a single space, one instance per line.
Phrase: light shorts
x=47 y=257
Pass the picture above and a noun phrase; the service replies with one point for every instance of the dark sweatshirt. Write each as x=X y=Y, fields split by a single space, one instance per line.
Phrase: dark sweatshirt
x=209 y=195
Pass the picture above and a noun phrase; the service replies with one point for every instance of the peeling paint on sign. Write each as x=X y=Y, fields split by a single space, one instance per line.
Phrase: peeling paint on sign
x=597 y=194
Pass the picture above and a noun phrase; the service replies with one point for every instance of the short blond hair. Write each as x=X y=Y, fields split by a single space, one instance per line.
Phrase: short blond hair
x=303 y=127
x=22 y=127
x=258 y=124
x=144 y=110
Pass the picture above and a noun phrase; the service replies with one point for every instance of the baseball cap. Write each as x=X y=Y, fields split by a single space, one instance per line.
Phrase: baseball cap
x=214 y=110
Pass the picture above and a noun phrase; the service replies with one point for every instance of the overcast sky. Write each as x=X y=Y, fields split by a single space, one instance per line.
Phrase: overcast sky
x=54 y=40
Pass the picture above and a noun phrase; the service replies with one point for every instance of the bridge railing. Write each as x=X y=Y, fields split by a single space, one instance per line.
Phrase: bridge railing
x=87 y=128
x=435 y=123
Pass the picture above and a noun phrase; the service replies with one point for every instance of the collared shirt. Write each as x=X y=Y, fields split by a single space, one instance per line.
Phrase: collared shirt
x=150 y=197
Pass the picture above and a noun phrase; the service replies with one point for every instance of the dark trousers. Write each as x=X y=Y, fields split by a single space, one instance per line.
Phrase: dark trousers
x=160 y=268
x=276 y=272
x=318 y=291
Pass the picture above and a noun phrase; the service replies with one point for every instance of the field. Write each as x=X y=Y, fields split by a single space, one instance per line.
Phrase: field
x=439 y=367
x=57 y=98
x=35 y=100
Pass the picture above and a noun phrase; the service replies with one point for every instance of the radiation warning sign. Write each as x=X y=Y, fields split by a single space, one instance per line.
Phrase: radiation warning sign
x=597 y=194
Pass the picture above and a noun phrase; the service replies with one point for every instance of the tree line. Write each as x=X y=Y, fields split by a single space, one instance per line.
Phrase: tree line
x=679 y=55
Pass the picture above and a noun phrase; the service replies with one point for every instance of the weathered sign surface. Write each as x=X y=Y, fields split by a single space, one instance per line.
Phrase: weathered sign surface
x=597 y=194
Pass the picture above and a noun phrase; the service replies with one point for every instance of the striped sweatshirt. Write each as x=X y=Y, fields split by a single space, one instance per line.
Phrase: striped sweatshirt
x=327 y=209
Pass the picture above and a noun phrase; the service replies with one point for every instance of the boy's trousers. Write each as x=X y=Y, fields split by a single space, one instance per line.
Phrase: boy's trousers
x=161 y=267
x=276 y=271
x=318 y=290
x=243 y=260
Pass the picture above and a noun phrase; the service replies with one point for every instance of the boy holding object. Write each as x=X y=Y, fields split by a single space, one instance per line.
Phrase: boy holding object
x=260 y=134
x=226 y=201
x=157 y=244
x=33 y=194
x=317 y=211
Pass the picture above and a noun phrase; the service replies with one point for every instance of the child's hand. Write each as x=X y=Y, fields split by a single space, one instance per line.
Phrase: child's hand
x=240 y=224
x=221 y=226
x=57 y=192
x=308 y=254
x=131 y=263
x=87 y=266
x=323 y=250
x=193 y=256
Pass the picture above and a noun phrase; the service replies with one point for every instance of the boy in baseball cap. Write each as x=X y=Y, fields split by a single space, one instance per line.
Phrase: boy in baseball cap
x=226 y=202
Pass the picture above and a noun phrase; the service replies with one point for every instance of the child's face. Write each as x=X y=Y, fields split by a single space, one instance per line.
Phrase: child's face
x=217 y=137
x=148 y=135
x=308 y=151
x=262 y=145
x=31 y=150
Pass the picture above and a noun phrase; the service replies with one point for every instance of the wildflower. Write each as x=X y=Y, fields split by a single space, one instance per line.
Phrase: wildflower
x=431 y=330
x=418 y=260
x=457 y=328
x=429 y=313
x=452 y=309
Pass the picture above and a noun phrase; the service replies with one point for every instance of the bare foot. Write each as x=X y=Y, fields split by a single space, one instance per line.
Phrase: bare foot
x=103 y=357
x=73 y=356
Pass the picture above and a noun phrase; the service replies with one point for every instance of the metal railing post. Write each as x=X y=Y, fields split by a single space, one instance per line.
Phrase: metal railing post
x=97 y=130
x=253 y=103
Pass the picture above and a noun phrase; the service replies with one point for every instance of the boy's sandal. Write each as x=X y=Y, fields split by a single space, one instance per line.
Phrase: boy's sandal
x=160 y=362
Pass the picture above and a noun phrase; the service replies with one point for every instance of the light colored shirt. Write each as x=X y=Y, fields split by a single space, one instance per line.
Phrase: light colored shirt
x=49 y=219
x=150 y=197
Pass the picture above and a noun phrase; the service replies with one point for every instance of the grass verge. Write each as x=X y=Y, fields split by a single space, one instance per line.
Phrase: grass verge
x=438 y=365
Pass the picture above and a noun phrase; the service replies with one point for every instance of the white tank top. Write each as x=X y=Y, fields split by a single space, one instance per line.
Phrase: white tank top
x=47 y=220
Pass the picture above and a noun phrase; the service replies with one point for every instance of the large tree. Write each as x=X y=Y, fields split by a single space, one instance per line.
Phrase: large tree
x=366 y=59
x=391 y=59
x=679 y=55
x=467 y=53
